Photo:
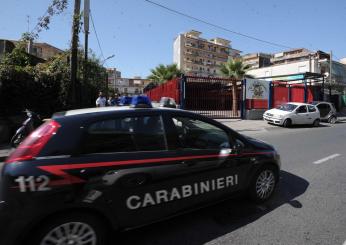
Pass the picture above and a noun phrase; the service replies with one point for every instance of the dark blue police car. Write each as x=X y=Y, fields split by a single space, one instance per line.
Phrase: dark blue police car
x=88 y=171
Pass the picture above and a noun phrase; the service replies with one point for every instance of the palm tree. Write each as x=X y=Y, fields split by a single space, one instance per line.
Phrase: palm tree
x=234 y=69
x=162 y=73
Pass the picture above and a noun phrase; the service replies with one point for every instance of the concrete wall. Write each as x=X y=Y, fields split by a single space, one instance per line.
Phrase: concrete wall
x=178 y=51
x=285 y=69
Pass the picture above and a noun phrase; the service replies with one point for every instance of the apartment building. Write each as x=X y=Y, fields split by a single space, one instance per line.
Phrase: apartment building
x=43 y=51
x=198 y=56
x=131 y=86
x=257 y=60
x=113 y=74
x=301 y=60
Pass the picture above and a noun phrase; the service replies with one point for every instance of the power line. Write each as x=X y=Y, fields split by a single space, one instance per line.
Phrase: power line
x=97 y=38
x=218 y=26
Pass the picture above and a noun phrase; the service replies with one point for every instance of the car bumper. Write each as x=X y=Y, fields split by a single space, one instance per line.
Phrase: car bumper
x=273 y=120
x=11 y=227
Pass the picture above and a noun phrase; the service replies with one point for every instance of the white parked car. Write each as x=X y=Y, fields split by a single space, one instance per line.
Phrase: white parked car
x=293 y=113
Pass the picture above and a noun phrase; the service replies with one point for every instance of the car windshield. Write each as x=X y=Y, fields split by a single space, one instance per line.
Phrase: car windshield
x=287 y=107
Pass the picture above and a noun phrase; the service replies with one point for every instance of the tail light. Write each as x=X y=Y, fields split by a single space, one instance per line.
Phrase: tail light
x=33 y=144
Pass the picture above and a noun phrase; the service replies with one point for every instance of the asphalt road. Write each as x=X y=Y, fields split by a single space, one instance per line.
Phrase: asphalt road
x=309 y=206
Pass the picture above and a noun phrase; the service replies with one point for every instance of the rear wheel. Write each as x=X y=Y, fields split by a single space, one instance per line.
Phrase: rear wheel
x=263 y=184
x=287 y=123
x=316 y=123
x=73 y=229
x=332 y=120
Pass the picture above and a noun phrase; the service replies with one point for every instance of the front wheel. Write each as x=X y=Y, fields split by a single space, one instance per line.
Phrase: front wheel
x=287 y=123
x=76 y=229
x=263 y=184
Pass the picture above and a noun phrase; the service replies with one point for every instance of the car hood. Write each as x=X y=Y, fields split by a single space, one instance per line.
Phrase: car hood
x=259 y=143
x=276 y=112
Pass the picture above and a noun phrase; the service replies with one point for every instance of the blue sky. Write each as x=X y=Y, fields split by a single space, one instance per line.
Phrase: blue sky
x=141 y=35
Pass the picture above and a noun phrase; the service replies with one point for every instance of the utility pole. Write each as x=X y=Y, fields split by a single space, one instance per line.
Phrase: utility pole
x=330 y=74
x=86 y=34
x=74 y=52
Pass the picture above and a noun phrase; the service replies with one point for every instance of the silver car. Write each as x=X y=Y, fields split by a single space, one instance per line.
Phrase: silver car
x=327 y=111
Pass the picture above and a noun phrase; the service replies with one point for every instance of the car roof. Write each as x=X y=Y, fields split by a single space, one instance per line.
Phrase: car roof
x=297 y=103
x=320 y=102
x=107 y=110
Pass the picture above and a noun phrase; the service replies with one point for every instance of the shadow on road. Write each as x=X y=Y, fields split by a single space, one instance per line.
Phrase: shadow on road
x=210 y=223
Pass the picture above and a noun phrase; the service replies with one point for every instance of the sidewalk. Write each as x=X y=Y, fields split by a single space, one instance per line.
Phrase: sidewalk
x=240 y=125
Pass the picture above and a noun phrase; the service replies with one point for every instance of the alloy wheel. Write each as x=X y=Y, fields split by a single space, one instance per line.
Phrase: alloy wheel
x=72 y=233
x=265 y=184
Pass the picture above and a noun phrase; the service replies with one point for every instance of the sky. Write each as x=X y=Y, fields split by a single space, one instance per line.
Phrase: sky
x=140 y=35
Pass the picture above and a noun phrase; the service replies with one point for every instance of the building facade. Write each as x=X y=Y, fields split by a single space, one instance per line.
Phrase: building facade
x=257 y=60
x=130 y=86
x=113 y=74
x=300 y=61
x=198 y=56
x=43 y=51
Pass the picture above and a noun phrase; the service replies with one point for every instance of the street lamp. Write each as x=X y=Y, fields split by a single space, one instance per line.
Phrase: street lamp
x=109 y=57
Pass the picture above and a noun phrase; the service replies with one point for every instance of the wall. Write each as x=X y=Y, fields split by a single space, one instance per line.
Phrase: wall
x=285 y=69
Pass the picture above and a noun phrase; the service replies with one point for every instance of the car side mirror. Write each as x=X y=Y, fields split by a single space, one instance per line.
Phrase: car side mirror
x=238 y=146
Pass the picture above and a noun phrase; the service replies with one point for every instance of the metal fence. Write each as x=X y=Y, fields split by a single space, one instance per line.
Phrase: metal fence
x=210 y=96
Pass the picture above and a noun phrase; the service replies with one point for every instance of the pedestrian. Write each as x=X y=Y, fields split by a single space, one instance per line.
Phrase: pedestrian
x=101 y=100
x=112 y=101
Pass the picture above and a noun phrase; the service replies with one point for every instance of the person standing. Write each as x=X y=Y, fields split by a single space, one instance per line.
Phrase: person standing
x=101 y=100
x=112 y=101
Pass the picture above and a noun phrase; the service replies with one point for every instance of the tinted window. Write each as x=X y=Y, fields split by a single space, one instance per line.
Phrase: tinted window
x=200 y=135
x=126 y=135
x=302 y=109
x=311 y=108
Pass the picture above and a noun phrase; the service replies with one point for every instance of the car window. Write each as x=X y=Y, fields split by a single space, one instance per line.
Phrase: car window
x=302 y=109
x=125 y=135
x=311 y=108
x=286 y=107
x=197 y=134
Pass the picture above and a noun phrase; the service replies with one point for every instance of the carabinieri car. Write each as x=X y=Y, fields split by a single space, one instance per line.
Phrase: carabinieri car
x=88 y=171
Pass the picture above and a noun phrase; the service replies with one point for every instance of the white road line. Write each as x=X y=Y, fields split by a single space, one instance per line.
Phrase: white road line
x=327 y=158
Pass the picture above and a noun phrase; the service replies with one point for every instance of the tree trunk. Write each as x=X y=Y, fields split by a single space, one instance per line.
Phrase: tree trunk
x=234 y=97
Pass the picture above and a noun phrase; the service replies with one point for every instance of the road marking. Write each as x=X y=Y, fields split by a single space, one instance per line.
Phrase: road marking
x=327 y=158
x=344 y=243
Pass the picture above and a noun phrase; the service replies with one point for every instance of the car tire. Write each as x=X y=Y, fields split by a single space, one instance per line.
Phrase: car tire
x=316 y=123
x=332 y=120
x=74 y=228
x=287 y=123
x=263 y=184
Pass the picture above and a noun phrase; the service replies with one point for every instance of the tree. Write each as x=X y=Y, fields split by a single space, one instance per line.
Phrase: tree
x=162 y=73
x=236 y=70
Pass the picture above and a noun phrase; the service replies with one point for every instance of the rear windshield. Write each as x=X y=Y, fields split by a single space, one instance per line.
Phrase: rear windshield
x=287 y=107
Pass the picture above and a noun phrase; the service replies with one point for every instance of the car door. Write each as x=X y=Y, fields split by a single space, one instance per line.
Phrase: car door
x=302 y=116
x=314 y=113
x=213 y=166
x=131 y=168
x=324 y=110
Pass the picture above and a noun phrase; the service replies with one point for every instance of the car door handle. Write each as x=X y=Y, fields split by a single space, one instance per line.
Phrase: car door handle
x=188 y=163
